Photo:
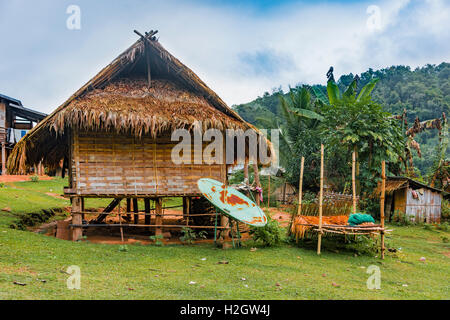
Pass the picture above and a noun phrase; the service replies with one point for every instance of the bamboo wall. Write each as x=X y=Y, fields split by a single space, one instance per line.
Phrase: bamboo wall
x=110 y=164
x=426 y=208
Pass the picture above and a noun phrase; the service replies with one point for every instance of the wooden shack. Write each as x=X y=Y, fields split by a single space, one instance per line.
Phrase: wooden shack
x=15 y=122
x=114 y=135
x=417 y=201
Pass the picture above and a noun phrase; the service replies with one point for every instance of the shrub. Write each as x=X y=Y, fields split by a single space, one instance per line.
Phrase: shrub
x=400 y=218
x=269 y=235
x=445 y=212
x=157 y=240
x=189 y=235
x=34 y=178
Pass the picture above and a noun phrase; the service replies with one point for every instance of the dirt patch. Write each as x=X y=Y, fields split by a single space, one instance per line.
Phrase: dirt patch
x=18 y=270
x=54 y=195
x=11 y=178
x=447 y=254
x=280 y=215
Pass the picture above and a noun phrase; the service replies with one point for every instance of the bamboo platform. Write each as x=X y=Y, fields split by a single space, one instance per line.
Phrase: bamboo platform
x=322 y=229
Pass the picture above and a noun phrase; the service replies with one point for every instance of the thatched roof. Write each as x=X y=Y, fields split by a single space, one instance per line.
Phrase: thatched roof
x=118 y=99
x=395 y=183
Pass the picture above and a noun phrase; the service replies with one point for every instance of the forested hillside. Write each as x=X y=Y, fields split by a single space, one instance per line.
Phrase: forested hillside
x=423 y=92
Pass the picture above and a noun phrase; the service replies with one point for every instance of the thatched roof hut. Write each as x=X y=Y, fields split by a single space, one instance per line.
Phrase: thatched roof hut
x=114 y=133
x=413 y=199
x=118 y=99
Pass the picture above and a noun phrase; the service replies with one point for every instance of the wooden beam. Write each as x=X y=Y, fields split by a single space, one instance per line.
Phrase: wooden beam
x=159 y=212
x=136 y=210
x=147 y=60
x=77 y=232
x=147 y=210
x=128 y=216
x=107 y=210
x=257 y=181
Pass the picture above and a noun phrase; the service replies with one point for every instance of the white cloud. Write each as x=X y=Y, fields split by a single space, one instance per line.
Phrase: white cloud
x=239 y=52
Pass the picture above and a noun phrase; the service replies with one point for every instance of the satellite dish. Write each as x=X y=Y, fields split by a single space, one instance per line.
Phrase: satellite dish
x=232 y=202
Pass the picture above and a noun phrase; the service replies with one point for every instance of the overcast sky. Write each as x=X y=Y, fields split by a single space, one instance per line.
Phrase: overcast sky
x=239 y=48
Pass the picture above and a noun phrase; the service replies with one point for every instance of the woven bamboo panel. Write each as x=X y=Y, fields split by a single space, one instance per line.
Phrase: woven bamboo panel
x=112 y=164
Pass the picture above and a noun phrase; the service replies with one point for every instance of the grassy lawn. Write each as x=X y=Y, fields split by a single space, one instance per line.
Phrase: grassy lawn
x=150 y=272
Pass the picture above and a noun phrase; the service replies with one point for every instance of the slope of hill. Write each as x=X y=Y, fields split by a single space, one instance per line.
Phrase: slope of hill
x=423 y=92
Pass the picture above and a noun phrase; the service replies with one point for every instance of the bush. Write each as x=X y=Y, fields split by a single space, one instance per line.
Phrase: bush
x=400 y=218
x=34 y=178
x=189 y=235
x=157 y=240
x=269 y=235
x=445 y=211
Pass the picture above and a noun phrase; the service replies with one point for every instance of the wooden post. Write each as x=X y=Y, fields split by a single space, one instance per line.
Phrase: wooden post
x=300 y=187
x=354 y=180
x=147 y=211
x=77 y=232
x=159 y=219
x=136 y=210
x=3 y=159
x=187 y=209
x=128 y=215
x=319 y=242
x=382 y=196
x=246 y=180
x=257 y=181
x=268 y=194
x=83 y=208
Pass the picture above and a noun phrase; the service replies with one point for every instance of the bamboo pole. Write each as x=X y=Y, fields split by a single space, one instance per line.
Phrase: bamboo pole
x=319 y=242
x=268 y=195
x=354 y=180
x=257 y=181
x=383 y=191
x=300 y=187
x=246 y=180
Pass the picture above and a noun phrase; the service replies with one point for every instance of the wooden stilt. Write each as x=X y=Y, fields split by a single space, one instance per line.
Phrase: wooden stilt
x=83 y=208
x=159 y=212
x=354 y=180
x=187 y=208
x=257 y=181
x=3 y=159
x=382 y=196
x=128 y=215
x=147 y=211
x=120 y=221
x=319 y=240
x=246 y=180
x=77 y=232
x=136 y=211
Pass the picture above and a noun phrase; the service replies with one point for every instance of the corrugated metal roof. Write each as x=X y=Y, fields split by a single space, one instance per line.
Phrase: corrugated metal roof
x=15 y=101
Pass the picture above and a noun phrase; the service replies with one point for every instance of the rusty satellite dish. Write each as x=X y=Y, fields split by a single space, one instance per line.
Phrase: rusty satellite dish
x=232 y=202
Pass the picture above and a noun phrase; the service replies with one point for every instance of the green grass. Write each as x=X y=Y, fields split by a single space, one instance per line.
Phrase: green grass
x=150 y=272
